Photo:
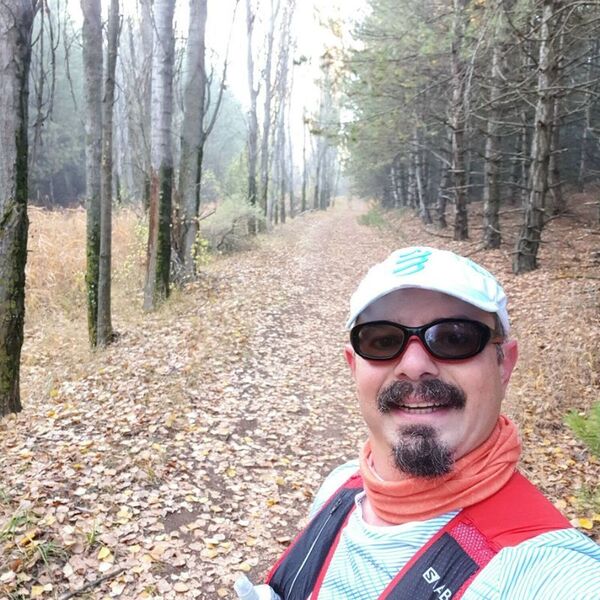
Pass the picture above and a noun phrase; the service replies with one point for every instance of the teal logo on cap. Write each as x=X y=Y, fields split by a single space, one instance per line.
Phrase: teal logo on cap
x=411 y=262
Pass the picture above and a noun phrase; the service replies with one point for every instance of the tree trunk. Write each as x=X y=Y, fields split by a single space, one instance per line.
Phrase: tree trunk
x=304 y=163
x=528 y=243
x=557 y=199
x=92 y=64
x=412 y=193
x=190 y=169
x=104 y=277
x=491 y=189
x=252 y=116
x=265 y=162
x=147 y=25
x=16 y=21
x=525 y=159
x=424 y=213
x=457 y=123
x=583 y=149
x=161 y=177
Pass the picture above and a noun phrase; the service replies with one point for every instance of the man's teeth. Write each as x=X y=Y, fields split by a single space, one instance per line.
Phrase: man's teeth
x=421 y=407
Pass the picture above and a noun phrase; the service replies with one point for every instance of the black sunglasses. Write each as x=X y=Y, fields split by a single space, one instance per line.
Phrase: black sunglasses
x=448 y=339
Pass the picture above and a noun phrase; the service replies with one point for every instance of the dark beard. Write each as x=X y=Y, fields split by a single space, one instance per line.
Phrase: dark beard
x=419 y=452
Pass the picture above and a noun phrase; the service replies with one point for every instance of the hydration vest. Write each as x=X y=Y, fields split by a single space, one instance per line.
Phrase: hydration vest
x=444 y=567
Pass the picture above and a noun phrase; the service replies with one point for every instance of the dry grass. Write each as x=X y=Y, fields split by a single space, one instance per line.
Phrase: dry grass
x=56 y=333
x=56 y=262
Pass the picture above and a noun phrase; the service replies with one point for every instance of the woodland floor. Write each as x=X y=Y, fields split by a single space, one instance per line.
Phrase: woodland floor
x=190 y=449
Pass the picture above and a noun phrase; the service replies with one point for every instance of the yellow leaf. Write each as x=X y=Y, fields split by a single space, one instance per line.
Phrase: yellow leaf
x=280 y=480
x=37 y=591
x=585 y=523
x=244 y=566
x=53 y=393
x=103 y=553
x=231 y=472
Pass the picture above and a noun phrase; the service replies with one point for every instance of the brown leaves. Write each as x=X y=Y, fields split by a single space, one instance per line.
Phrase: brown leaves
x=189 y=451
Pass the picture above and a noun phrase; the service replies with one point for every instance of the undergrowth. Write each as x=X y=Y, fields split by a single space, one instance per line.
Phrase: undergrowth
x=587 y=429
x=373 y=218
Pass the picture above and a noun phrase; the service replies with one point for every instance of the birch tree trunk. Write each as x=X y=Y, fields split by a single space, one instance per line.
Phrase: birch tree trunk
x=528 y=243
x=105 y=332
x=16 y=20
x=147 y=27
x=252 y=115
x=161 y=170
x=92 y=65
x=265 y=155
x=192 y=143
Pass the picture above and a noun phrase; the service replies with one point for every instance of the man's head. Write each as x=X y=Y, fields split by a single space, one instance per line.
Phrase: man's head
x=431 y=359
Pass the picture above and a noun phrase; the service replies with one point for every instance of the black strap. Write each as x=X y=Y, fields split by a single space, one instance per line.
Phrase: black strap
x=437 y=574
x=296 y=575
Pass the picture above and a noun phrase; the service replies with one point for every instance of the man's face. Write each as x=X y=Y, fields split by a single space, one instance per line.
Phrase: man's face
x=416 y=404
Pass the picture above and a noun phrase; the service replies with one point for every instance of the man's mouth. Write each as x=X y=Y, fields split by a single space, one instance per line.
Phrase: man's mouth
x=421 y=408
x=420 y=398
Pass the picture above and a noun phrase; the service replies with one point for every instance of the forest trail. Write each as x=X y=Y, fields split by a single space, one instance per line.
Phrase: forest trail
x=189 y=450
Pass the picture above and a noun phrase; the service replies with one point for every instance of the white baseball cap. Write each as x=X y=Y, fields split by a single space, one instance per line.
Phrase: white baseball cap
x=431 y=269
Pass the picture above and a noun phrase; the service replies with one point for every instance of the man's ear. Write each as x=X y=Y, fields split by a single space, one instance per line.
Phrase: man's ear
x=350 y=357
x=510 y=350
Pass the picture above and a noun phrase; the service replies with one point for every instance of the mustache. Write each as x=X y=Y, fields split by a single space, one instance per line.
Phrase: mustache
x=431 y=391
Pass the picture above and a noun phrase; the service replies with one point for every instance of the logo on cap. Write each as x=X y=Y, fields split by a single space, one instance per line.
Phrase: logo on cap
x=411 y=262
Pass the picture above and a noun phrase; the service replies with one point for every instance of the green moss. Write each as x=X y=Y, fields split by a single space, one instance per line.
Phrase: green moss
x=163 y=249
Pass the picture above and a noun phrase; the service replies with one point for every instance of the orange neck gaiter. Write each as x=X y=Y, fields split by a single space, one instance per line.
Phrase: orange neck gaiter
x=474 y=477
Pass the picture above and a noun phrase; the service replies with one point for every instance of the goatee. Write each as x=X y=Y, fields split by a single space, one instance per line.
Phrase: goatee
x=418 y=451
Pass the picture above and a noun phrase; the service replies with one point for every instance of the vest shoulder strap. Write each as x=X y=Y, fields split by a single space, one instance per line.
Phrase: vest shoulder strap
x=518 y=512
x=295 y=574
x=445 y=566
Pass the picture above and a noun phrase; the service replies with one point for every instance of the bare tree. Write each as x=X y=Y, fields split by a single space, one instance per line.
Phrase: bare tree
x=104 y=328
x=528 y=243
x=457 y=122
x=16 y=21
x=491 y=190
x=196 y=126
x=161 y=170
x=252 y=113
x=92 y=65
x=192 y=142
x=268 y=89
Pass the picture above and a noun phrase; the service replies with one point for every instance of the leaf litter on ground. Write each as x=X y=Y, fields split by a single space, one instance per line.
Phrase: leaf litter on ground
x=189 y=451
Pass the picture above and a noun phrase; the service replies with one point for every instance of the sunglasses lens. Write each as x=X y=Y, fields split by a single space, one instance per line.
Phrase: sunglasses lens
x=456 y=339
x=378 y=341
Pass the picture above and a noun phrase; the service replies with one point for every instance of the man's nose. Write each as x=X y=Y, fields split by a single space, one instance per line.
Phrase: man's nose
x=415 y=362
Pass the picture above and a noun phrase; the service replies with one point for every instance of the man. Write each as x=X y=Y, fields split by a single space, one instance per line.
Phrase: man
x=436 y=509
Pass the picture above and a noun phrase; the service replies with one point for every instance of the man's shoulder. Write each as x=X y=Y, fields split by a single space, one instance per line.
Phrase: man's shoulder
x=332 y=482
x=554 y=565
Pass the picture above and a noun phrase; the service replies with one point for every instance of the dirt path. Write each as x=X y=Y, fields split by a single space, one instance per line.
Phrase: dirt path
x=190 y=450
